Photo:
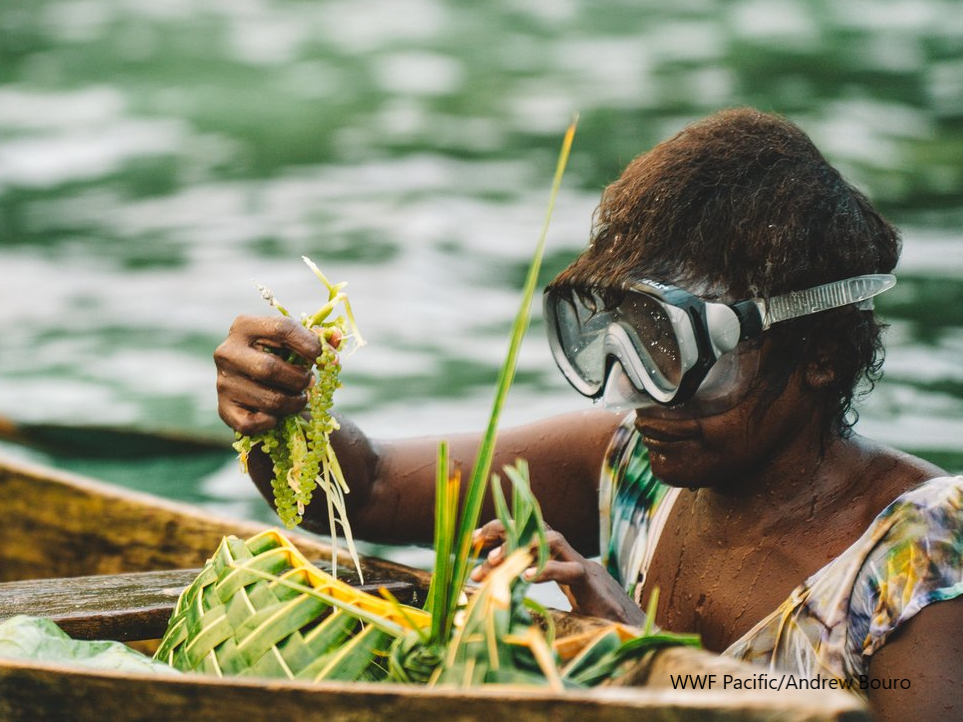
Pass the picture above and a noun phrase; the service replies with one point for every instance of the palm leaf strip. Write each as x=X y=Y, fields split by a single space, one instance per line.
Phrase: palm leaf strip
x=483 y=461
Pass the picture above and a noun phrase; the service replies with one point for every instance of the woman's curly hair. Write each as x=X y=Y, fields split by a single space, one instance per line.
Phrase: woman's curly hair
x=744 y=201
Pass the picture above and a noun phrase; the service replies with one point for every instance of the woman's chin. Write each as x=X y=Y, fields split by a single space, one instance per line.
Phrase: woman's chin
x=676 y=470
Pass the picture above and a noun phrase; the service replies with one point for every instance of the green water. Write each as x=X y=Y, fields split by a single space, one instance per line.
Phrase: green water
x=157 y=157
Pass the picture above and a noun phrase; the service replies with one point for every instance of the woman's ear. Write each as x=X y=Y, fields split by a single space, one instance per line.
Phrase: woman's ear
x=819 y=370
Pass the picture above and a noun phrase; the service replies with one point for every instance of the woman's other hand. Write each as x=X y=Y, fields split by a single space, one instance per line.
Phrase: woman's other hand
x=256 y=385
x=590 y=589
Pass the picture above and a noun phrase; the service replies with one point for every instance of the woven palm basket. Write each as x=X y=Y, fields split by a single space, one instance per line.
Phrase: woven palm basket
x=260 y=608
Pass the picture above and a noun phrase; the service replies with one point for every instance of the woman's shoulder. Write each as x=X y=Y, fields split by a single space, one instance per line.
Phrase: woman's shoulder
x=915 y=503
x=941 y=494
x=927 y=514
x=909 y=557
x=926 y=518
x=914 y=557
x=882 y=477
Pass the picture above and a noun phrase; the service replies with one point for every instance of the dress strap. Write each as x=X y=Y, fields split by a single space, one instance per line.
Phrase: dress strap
x=651 y=539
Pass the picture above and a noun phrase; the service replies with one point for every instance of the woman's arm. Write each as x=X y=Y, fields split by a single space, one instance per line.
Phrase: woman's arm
x=393 y=481
x=564 y=455
x=923 y=665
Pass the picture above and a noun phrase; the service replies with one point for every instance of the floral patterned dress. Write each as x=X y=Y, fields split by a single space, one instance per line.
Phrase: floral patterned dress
x=909 y=557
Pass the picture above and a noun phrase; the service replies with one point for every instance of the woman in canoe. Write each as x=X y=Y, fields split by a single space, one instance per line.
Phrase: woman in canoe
x=722 y=314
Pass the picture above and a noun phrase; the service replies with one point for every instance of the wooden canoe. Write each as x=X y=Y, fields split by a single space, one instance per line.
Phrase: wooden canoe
x=108 y=563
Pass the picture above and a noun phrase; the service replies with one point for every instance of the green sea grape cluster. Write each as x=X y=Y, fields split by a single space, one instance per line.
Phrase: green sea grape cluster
x=300 y=445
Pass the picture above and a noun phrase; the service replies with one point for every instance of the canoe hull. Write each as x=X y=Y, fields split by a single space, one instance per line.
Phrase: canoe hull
x=55 y=524
x=46 y=692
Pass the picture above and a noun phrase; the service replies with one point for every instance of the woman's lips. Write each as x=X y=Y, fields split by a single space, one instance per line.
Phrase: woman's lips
x=661 y=435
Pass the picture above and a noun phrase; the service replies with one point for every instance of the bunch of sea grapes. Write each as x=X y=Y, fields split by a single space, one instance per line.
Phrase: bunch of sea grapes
x=300 y=446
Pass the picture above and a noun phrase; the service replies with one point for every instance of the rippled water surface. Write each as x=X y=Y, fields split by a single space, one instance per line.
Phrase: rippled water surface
x=156 y=157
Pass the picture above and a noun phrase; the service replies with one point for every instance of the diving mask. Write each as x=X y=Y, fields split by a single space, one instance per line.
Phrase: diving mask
x=662 y=345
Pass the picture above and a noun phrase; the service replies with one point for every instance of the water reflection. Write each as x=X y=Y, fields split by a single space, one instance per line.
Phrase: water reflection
x=157 y=157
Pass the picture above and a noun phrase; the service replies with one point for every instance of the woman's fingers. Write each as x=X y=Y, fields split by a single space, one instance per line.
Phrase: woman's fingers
x=245 y=421
x=280 y=332
x=490 y=535
x=256 y=384
x=589 y=588
x=261 y=366
x=564 y=568
x=559 y=548
x=251 y=407
x=567 y=573
x=335 y=337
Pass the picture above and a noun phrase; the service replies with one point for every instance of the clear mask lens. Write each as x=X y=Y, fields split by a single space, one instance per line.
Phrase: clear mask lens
x=654 y=337
x=638 y=328
x=581 y=333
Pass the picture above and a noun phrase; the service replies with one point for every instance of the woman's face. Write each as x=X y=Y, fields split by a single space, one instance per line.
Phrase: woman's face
x=720 y=450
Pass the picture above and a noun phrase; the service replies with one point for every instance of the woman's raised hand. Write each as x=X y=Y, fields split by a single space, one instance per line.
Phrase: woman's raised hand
x=590 y=589
x=256 y=384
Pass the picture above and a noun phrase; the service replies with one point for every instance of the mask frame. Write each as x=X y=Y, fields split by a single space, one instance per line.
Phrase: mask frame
x=666 y=340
